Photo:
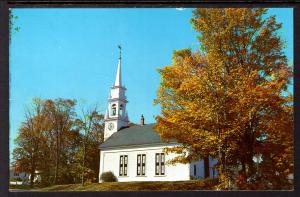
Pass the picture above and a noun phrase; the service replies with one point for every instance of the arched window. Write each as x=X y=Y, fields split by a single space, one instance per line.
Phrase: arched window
x=113 y=109
x=121 y=110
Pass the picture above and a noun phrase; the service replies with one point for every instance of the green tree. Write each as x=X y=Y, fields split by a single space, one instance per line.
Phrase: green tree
x=12 y=27
x=90 y=125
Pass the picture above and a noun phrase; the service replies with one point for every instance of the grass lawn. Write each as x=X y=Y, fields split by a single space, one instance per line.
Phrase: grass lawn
x=207 y=184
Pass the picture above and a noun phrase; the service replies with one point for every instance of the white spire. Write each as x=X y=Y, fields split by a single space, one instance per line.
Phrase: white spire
x=115 y=119
x=118 y=81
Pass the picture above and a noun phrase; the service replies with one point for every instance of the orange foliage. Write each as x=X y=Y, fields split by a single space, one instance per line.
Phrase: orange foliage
x=229 y=100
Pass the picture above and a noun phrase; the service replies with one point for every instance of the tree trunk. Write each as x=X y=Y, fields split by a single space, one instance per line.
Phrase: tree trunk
x=56 y=159
x=206 y=167
x=243 y=165
x=250 y=165
x=31 y=178
x=32 y=170
x=83 y=165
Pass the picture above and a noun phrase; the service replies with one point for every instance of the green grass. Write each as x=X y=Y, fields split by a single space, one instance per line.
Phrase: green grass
x=24 y=187
x=19 y=187
x=207 y=184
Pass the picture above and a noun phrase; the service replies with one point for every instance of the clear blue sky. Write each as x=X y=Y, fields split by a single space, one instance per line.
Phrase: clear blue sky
x=72 y=53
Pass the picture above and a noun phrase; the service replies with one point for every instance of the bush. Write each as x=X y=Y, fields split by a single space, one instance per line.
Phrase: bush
x=108 y=177
x=16 y=179
x=193 y=177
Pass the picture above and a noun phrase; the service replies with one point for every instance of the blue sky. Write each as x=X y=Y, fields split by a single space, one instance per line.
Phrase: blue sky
x=72 y=53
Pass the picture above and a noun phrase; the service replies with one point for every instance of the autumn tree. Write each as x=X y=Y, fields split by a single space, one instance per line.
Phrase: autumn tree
x=61 y=115
x=62 y=145
x=28 y=154
x=229 y=99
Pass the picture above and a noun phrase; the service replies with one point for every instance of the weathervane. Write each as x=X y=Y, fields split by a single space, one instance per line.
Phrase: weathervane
x=120 y=48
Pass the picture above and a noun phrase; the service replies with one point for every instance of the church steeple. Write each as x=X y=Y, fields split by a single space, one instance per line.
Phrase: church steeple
x=116 y=116
x=118 y=81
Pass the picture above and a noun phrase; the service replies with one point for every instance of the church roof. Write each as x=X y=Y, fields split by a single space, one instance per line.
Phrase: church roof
x=134 y=135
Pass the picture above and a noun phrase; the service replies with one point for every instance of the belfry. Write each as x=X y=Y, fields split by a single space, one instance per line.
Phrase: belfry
x=116 y=115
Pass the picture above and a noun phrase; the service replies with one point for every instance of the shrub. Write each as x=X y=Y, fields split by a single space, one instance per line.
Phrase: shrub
x=193 y=177
x=211 y=182
x=108 y=177
x=15 y=179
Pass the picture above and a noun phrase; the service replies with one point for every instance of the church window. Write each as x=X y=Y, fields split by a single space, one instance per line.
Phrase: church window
x=121 y=109
x=141 y=164
x=195 y=170
x=113 y=109
x=159 y=164
x=123 y=165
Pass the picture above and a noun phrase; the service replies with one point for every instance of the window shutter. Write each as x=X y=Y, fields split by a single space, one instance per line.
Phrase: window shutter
x=125 y=164
x=157 y=164
x=121 y=166
x=143 y=164
x=162 y=164
x=138 y=165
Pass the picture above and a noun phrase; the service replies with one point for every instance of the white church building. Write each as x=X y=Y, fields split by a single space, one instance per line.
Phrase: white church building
x=135 y=153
